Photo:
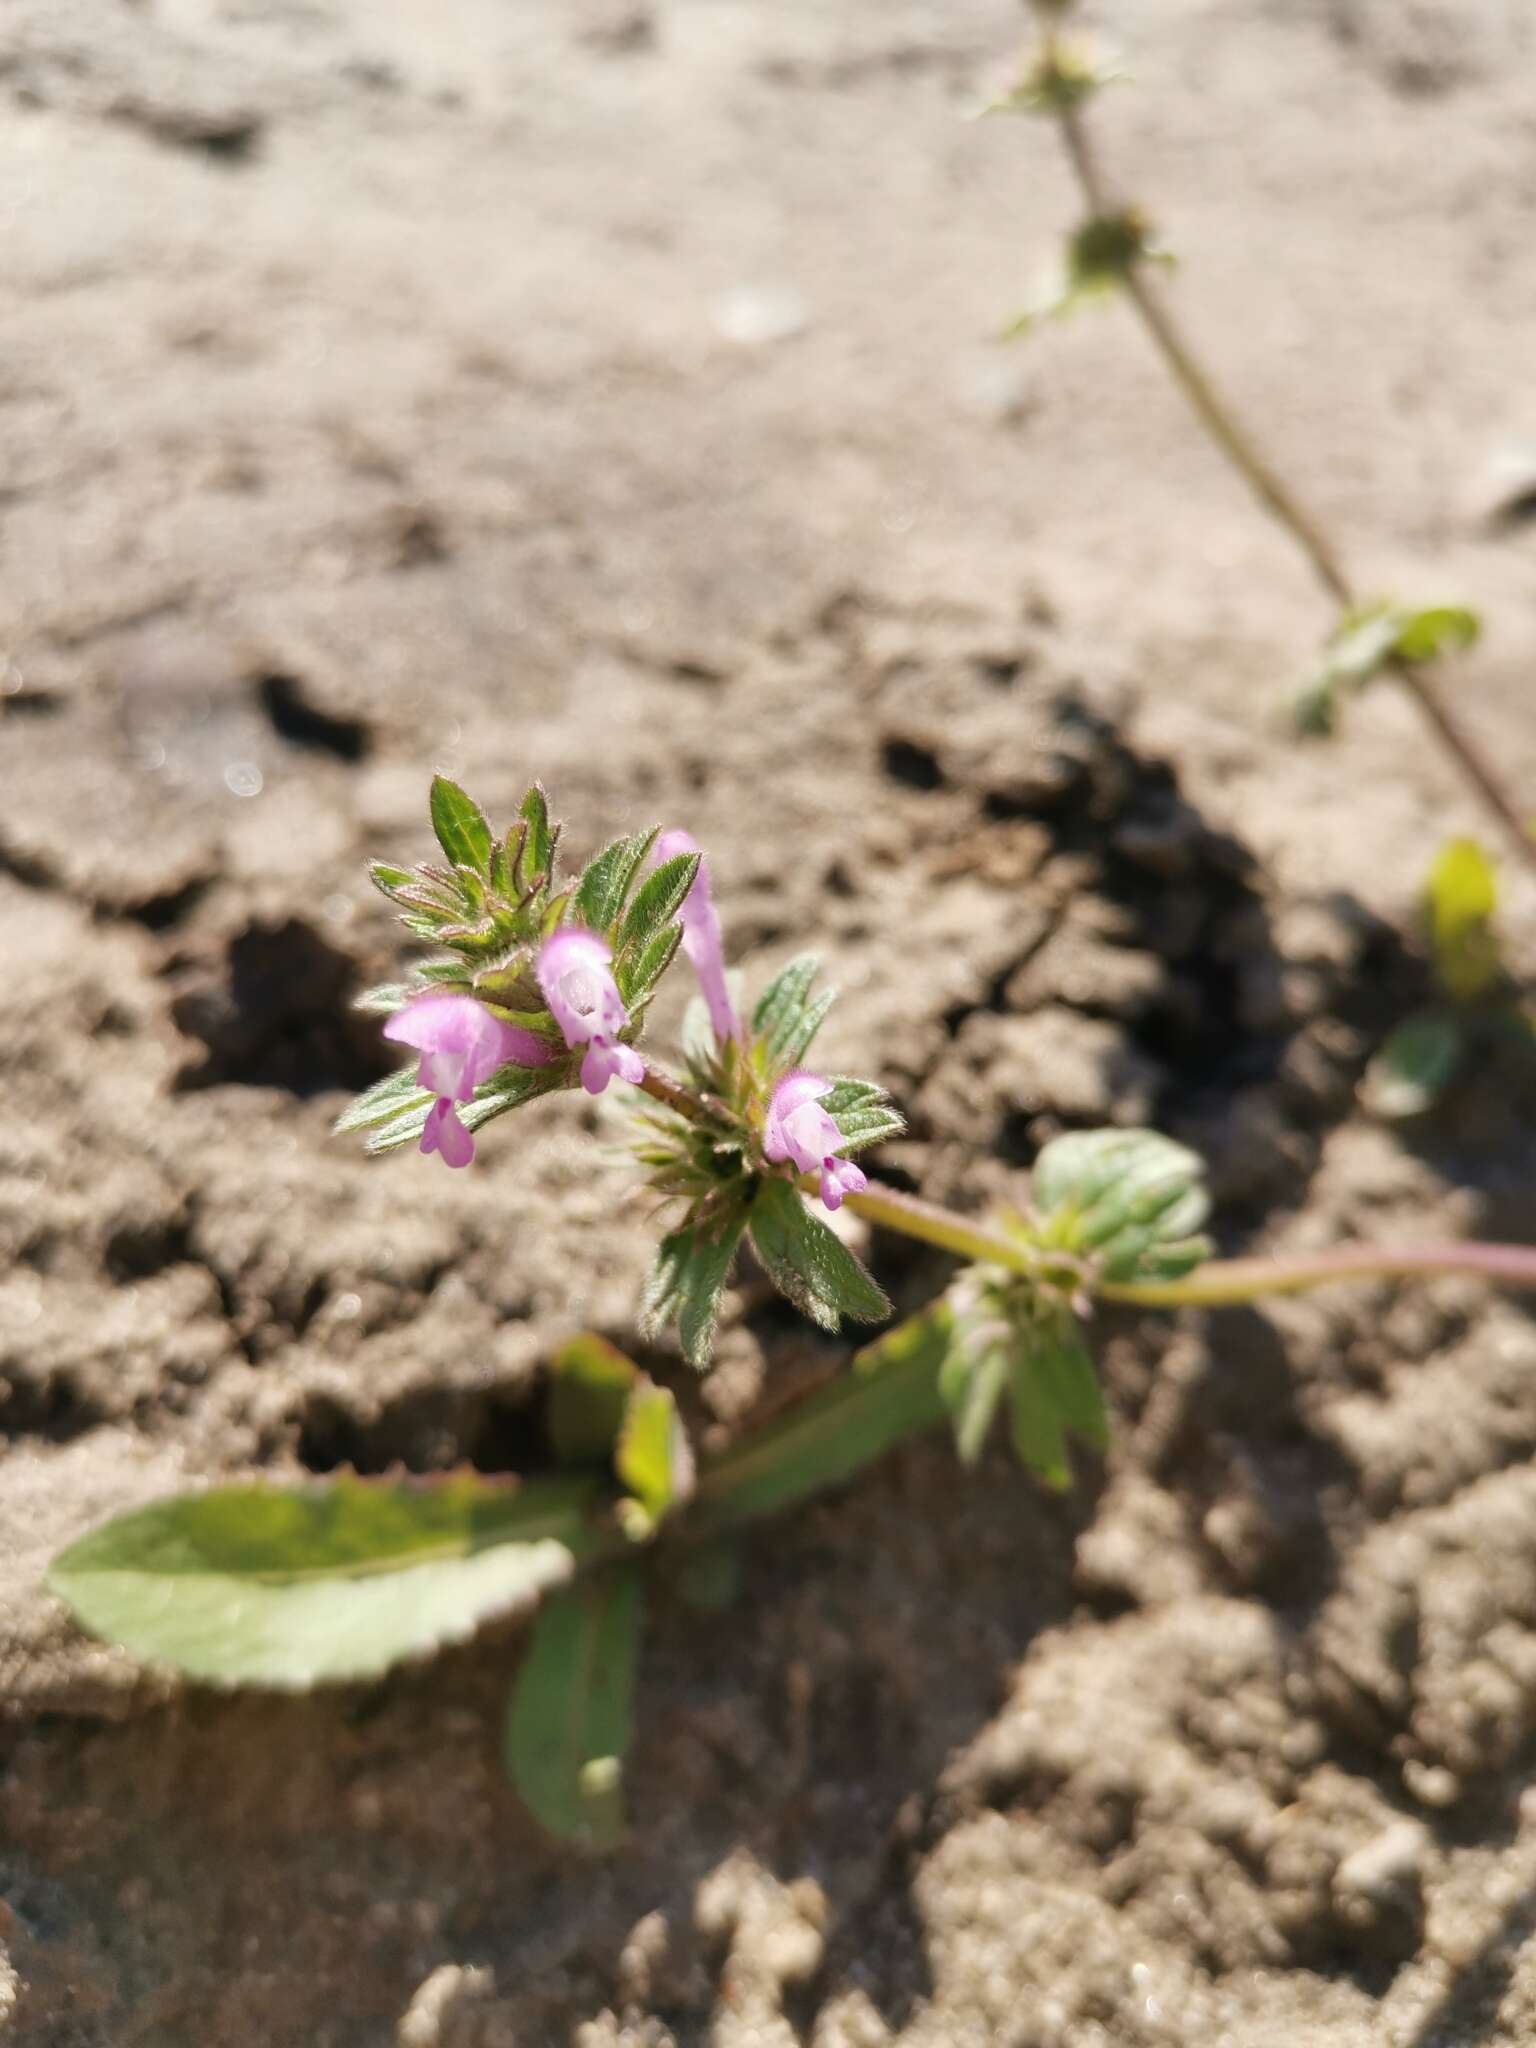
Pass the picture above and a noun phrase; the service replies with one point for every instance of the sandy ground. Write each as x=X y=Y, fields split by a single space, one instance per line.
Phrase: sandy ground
x=607 y=390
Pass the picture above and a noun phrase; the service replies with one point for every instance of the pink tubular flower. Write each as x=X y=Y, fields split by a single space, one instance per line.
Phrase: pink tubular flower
x=461 y=1044
x=574 y=974
x=701 y=938
x=798 y=1128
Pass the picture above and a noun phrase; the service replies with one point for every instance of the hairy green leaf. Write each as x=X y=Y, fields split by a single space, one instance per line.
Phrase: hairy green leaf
x=391 y=880
x=686 y=1282
x=809 y=1263
x=508 y=1089
x=296 y=1586
x=461 y=829
x=782 y=1004
x=384 y=998
x=536 y=855
x=657 y=901
x=638 y=972
x=607 y=879
x=795 y=1042
x=384 y=1100
x=862 y=1112
x=570 y=1714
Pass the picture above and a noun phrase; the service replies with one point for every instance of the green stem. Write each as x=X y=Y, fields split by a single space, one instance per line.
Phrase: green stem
x=893 y=1210
x=1226 y=430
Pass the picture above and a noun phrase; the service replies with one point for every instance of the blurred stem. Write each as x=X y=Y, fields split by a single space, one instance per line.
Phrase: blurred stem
x=1221 y=422
x=1223 y=1282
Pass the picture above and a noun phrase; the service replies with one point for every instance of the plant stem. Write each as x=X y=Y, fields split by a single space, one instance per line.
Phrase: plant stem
x=1216 y=1283
x=663 y=1088
x=1221 y=422
x=1221 y=1282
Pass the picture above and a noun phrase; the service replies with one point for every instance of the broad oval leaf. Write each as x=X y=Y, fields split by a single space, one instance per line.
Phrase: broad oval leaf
x=809 y=1263
x=298 y=1586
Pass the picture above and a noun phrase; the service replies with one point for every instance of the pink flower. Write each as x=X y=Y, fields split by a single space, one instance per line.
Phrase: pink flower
x=461 y=1044
x=799 y=1129
x=577 y=982
x=701 y=938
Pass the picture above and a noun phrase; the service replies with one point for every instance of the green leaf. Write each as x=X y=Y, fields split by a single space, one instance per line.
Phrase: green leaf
x=384 y=1100
x=1413 y=1068
x=657 y=901
x=1367 y=639
x=1062 y=77
x=1070 y=1379
x=972 y=1384
x=796 y=1043
x=810 y=1264
x=385 y=998
x=890 y=1393
x=297 y=1586
x=638 y=973
x=862 y=1112
x=654 y=1460
x=570 y=1714
x=1039 y=1438
x=607 y=879
x=782 y=1004
x=535 y=860
x=686 y=1282
x=1441 y=629
x=1463 y=895
x=461 y=829
x=589 y=1388
x=390 y=879
x=1133 y=1198
x=509 y=1089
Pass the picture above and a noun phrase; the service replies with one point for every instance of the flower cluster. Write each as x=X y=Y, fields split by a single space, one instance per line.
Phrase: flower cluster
x=545 y=987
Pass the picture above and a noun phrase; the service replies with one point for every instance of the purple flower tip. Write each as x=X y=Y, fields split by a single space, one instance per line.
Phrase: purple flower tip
x=701 y=938
x=841 y=1177
x=799 y=1129
x=461 y=1044
x=576 y=978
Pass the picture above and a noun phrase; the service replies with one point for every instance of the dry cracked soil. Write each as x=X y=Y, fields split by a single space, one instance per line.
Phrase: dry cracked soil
x=608 y=390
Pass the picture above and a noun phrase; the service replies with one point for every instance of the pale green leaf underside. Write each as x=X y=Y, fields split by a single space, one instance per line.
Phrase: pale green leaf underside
x=295 y=1587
